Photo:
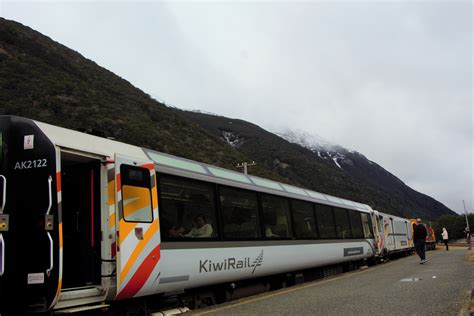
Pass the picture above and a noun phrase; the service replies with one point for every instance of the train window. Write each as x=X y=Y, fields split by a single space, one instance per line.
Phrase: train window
x=136 y=194
x=367 y=226
x=303 y=219
x=275 y=216
x=180 y=163
x=342 y=223
x=355 y=221
x=399 y=227
x=136 y=204
x=187 y=209
x=293 y=189
x=325 y=221
x=239 y=212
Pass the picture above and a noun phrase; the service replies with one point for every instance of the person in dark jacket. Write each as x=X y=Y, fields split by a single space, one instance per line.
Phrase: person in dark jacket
x=419 y=236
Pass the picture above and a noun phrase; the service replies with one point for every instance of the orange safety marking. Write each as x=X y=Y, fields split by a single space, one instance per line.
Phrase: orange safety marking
x=111 y=193
x=154 y=195
x=58 y=181
x=126 y=228
x=60 y=235
x=142 y=274
x=149 y=166
x=138 y=249
x=117 y=177
x=112 y=220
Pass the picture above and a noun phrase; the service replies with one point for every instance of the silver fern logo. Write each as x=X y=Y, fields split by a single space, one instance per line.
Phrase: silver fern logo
x=257 y=262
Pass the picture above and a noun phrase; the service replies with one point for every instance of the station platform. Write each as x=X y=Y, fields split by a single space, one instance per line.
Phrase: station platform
x=442 y=286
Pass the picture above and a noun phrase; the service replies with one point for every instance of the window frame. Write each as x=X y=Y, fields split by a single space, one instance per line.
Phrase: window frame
x=217 y=224
x=359 y=216
x=331 y=210
x=288 y=217
x=259 y=215
x=313 y=212
x=132 y=183
x=348 y=222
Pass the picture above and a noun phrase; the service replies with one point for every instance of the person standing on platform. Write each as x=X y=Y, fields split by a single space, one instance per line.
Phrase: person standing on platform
x=419 y=237
x=467 y=232
x=444 y=234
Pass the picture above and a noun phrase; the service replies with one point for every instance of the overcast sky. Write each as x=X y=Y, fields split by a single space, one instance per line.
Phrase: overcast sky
x=390 y=79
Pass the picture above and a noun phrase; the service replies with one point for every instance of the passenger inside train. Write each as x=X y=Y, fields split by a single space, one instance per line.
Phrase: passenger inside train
x=200 y=228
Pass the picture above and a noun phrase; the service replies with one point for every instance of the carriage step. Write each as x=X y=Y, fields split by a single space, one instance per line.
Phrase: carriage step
x=81 y=309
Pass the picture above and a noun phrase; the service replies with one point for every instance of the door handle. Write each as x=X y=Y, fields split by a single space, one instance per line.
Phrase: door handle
x=4 y=193
x=51 y=258
x=51 y=244
x=50 y=179
x=3 y=225
x=2 y=262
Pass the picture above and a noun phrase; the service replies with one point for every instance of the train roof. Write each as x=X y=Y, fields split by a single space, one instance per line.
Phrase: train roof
x=393 y=216
x=90 y=144
x=250 y=181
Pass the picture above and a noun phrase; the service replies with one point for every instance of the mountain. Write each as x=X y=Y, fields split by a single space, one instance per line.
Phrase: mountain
x=44 y=80
x=323 y=167
x=323 y=148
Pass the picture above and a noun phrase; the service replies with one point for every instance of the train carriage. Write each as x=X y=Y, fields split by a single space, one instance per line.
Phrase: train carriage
x=87 y=220
x=394 y=233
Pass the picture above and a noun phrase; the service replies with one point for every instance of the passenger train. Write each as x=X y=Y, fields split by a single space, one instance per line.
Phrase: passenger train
x=86 y=222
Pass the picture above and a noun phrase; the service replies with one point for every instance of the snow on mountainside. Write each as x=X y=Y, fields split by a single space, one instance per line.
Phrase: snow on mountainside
x=323 y=148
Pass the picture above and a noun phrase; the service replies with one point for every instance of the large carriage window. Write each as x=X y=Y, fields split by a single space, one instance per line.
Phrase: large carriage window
x=275 y=216
x=367 y=226
x=187 y=209
x=325 y=221
x=342 y=223
x=356 y=224
x=400 y=227
x=136 y=194
x=303 y=219
x=239 y=210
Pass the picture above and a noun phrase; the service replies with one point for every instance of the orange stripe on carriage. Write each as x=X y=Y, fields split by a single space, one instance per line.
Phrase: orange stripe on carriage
x=149 y=166
x=58 y=181
x=117 y=178
x=139 y=248
x=112 y=220
x=141 y=275
x=111 y=193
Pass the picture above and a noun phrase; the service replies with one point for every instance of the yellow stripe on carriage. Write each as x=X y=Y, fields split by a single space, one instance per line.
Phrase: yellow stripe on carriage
x=138 y=249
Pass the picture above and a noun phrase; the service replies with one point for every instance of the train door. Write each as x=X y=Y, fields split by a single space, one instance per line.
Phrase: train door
x=81 y=206
x=391 y=242
x=138 y=237
x=374 y=215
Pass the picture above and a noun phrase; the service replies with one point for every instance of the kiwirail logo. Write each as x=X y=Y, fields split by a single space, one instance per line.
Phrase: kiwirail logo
x=206 y=266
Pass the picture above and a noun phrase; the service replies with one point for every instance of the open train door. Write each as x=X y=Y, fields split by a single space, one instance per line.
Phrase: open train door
x=138 y=236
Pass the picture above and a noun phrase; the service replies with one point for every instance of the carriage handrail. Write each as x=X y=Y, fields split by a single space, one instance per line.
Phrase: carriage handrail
x=4 y=193
x=2 y=267
x=50 y=179
x=48 y=271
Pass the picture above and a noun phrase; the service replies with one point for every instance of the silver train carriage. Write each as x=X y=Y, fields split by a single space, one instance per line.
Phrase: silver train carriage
x=86 y=220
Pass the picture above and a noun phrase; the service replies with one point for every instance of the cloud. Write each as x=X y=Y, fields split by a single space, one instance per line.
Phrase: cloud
x=392 y=80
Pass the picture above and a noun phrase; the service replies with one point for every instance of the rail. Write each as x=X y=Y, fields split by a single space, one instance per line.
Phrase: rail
x=2 y=241
x=51 y=243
